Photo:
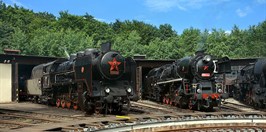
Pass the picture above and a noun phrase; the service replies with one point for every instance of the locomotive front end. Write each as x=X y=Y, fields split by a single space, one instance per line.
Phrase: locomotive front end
x=206 y=95
x=113 y=69
x=206 y=90
x=114 y=81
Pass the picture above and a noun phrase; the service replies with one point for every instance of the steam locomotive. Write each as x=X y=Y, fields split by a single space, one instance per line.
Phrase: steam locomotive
x=93 y=81
x=250 y=85
x=188 y=82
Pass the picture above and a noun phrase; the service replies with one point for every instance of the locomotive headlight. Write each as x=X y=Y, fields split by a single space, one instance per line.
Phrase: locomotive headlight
x=199 y=91
x=220 y=90
x=129 y=90
x=207 y=58
x=107 y=90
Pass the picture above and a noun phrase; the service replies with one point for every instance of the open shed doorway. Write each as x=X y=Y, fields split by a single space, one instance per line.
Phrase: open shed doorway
x=24 y=73
x=145 y=71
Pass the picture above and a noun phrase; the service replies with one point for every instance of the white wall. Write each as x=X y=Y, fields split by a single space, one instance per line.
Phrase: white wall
x=5 y=83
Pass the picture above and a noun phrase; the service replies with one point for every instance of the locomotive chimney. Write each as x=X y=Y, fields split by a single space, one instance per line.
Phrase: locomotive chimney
x=105 y=47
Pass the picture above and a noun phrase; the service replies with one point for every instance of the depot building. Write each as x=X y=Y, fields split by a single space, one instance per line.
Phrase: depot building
x=14 y=70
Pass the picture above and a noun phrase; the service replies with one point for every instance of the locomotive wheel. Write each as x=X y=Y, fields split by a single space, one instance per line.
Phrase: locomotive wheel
x=261 y=105
x=75 y=106
x=210 y=109
x=128 y=107
x=97 y=111
x=182 y=103
x=190 y=105
x=98 y=108
x=63 y=103
x=68 y=104
x=117 y=109
x=168 y=101
x=106 y=109
x=164 y=100
x=174 y=103
x=58 y=102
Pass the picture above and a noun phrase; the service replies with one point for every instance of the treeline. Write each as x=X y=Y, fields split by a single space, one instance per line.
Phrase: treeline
x=44 y=34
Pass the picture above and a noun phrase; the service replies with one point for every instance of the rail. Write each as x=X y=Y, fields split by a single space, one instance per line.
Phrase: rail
x=176 y=121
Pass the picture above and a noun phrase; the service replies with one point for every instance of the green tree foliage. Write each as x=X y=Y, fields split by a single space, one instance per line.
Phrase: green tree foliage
x=147 y=32
x=128 y=44
x=19 y=40
x=44 y=34
x=237 y=42
x=53 y=43
x=166 y=31
x=6 y=32
x=163 y=49
x=217 y=43
x=189 y=40
x=256 y=36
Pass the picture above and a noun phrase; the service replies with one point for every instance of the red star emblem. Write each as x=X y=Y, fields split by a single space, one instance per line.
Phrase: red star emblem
x=205 y=68
x=114 y=66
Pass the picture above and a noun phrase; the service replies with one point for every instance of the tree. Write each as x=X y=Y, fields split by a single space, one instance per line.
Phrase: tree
x=147 y=32
x=217 y=43
x=129 y=44
x=164 y=49
x=52 y=43
x=189 y=40
x=166 y=31
x=19 y=41
x=6 y=32
x=257 y=40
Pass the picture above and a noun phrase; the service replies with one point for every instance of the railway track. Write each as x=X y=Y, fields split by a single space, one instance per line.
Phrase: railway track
x=174 y=122
x=152 y=106
x=244 y=107
x=11 y=119
x=143 y=114
x=221 y=128
x=162 y=108
x=14 y=119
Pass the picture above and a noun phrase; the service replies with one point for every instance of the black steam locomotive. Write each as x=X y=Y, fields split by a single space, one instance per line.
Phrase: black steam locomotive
x=250 y=85
x=188 y=82
x=93 y=81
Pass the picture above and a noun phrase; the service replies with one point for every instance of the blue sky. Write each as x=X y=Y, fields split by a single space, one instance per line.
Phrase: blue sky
x=181 y=14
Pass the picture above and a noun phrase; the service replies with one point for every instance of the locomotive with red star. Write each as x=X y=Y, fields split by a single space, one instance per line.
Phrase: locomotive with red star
x=94 y=81
x=189 y=82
